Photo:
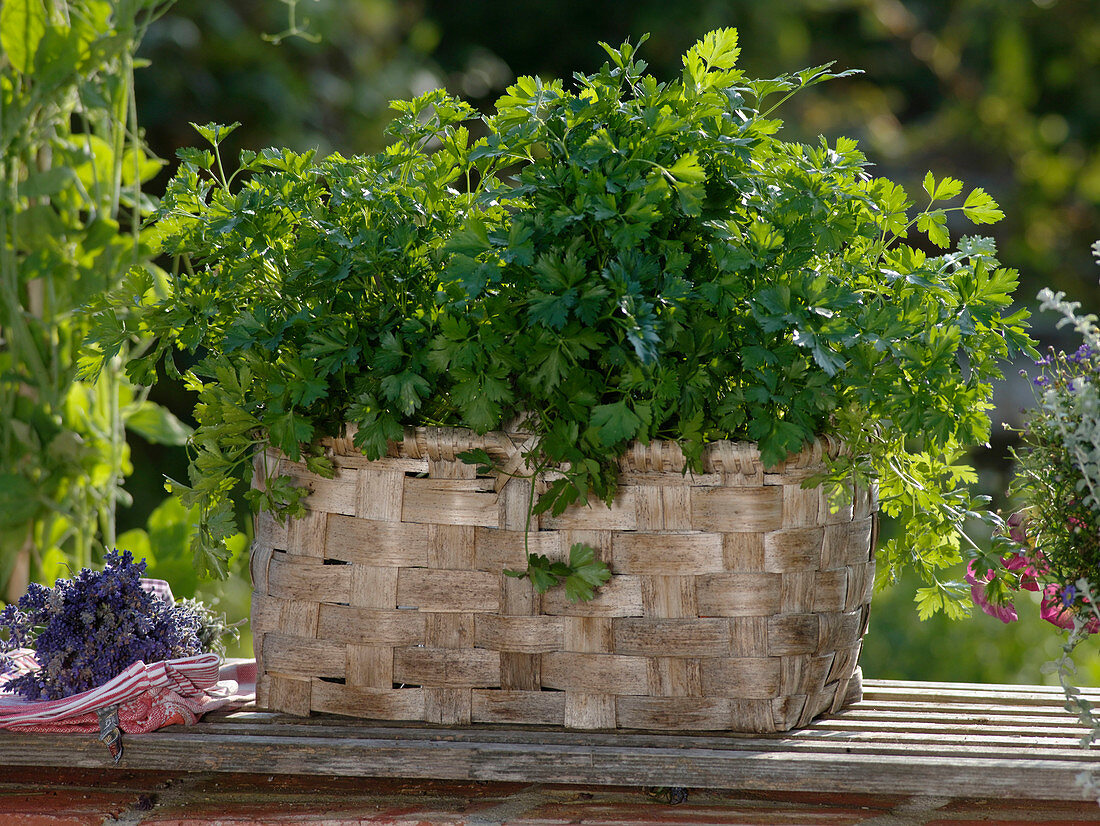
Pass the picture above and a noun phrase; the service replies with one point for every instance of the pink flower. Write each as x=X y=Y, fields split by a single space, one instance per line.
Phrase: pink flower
x=1057 y=608
x=1005 y=613
x=1027 y=560
x=1030 y=571
x=1017 y=524
x=1051 y=608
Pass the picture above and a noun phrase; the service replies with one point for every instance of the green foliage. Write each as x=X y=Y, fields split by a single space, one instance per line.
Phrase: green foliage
x=986 y=93
x=581 y=575
x=660 y=265
x=72 y=167
x=311 y=287
x=687 y=275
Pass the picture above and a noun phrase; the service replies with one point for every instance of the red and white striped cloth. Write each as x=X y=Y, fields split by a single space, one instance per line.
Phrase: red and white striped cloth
x=148 y=696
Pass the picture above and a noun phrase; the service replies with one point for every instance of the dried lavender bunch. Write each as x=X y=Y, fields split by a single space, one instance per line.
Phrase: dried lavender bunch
x=214 y=626
x=88 y=629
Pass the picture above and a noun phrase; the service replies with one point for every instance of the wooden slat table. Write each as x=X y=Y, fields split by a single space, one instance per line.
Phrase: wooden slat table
x=955 y=740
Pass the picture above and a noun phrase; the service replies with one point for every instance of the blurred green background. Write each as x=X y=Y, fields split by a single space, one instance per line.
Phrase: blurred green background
x=998 y=93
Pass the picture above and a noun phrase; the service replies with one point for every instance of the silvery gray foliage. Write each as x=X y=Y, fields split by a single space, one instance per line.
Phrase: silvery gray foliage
x=1077 y=415
x=1085 y=325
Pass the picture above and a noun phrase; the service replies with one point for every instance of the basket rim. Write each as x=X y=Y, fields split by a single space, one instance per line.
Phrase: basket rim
x=506 y=448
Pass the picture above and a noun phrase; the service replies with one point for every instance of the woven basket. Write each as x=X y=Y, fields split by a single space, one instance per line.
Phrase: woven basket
x=738 y=600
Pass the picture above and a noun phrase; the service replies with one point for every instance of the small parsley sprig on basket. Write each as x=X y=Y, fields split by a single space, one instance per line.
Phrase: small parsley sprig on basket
x=88 y=629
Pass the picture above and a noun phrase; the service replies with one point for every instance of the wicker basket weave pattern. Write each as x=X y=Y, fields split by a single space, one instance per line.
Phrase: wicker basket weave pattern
x=738 y=600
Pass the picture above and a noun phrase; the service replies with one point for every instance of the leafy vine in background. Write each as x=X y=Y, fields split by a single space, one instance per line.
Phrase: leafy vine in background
x=293 y=27
x=72 y=165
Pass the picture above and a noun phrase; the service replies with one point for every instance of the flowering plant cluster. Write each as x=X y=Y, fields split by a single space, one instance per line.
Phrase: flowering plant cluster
x=1055 y=536
x=88 y=629
x=1063 y=600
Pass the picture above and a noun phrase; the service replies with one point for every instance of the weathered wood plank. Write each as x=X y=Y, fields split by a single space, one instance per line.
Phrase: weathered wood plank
x=828 y=729
x=838 y=741
x=876 y=691
x=903 y=738
x=929 y=717
x=565 y=763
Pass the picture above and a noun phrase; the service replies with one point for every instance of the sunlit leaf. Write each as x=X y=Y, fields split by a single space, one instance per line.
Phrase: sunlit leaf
x=22 y=26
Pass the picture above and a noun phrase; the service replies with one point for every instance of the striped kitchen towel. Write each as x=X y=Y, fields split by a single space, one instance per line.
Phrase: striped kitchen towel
x=148 y=696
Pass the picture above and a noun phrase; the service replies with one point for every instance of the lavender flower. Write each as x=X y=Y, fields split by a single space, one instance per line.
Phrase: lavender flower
x=87 y=630
x=1069 y=596
x=1082 y=355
